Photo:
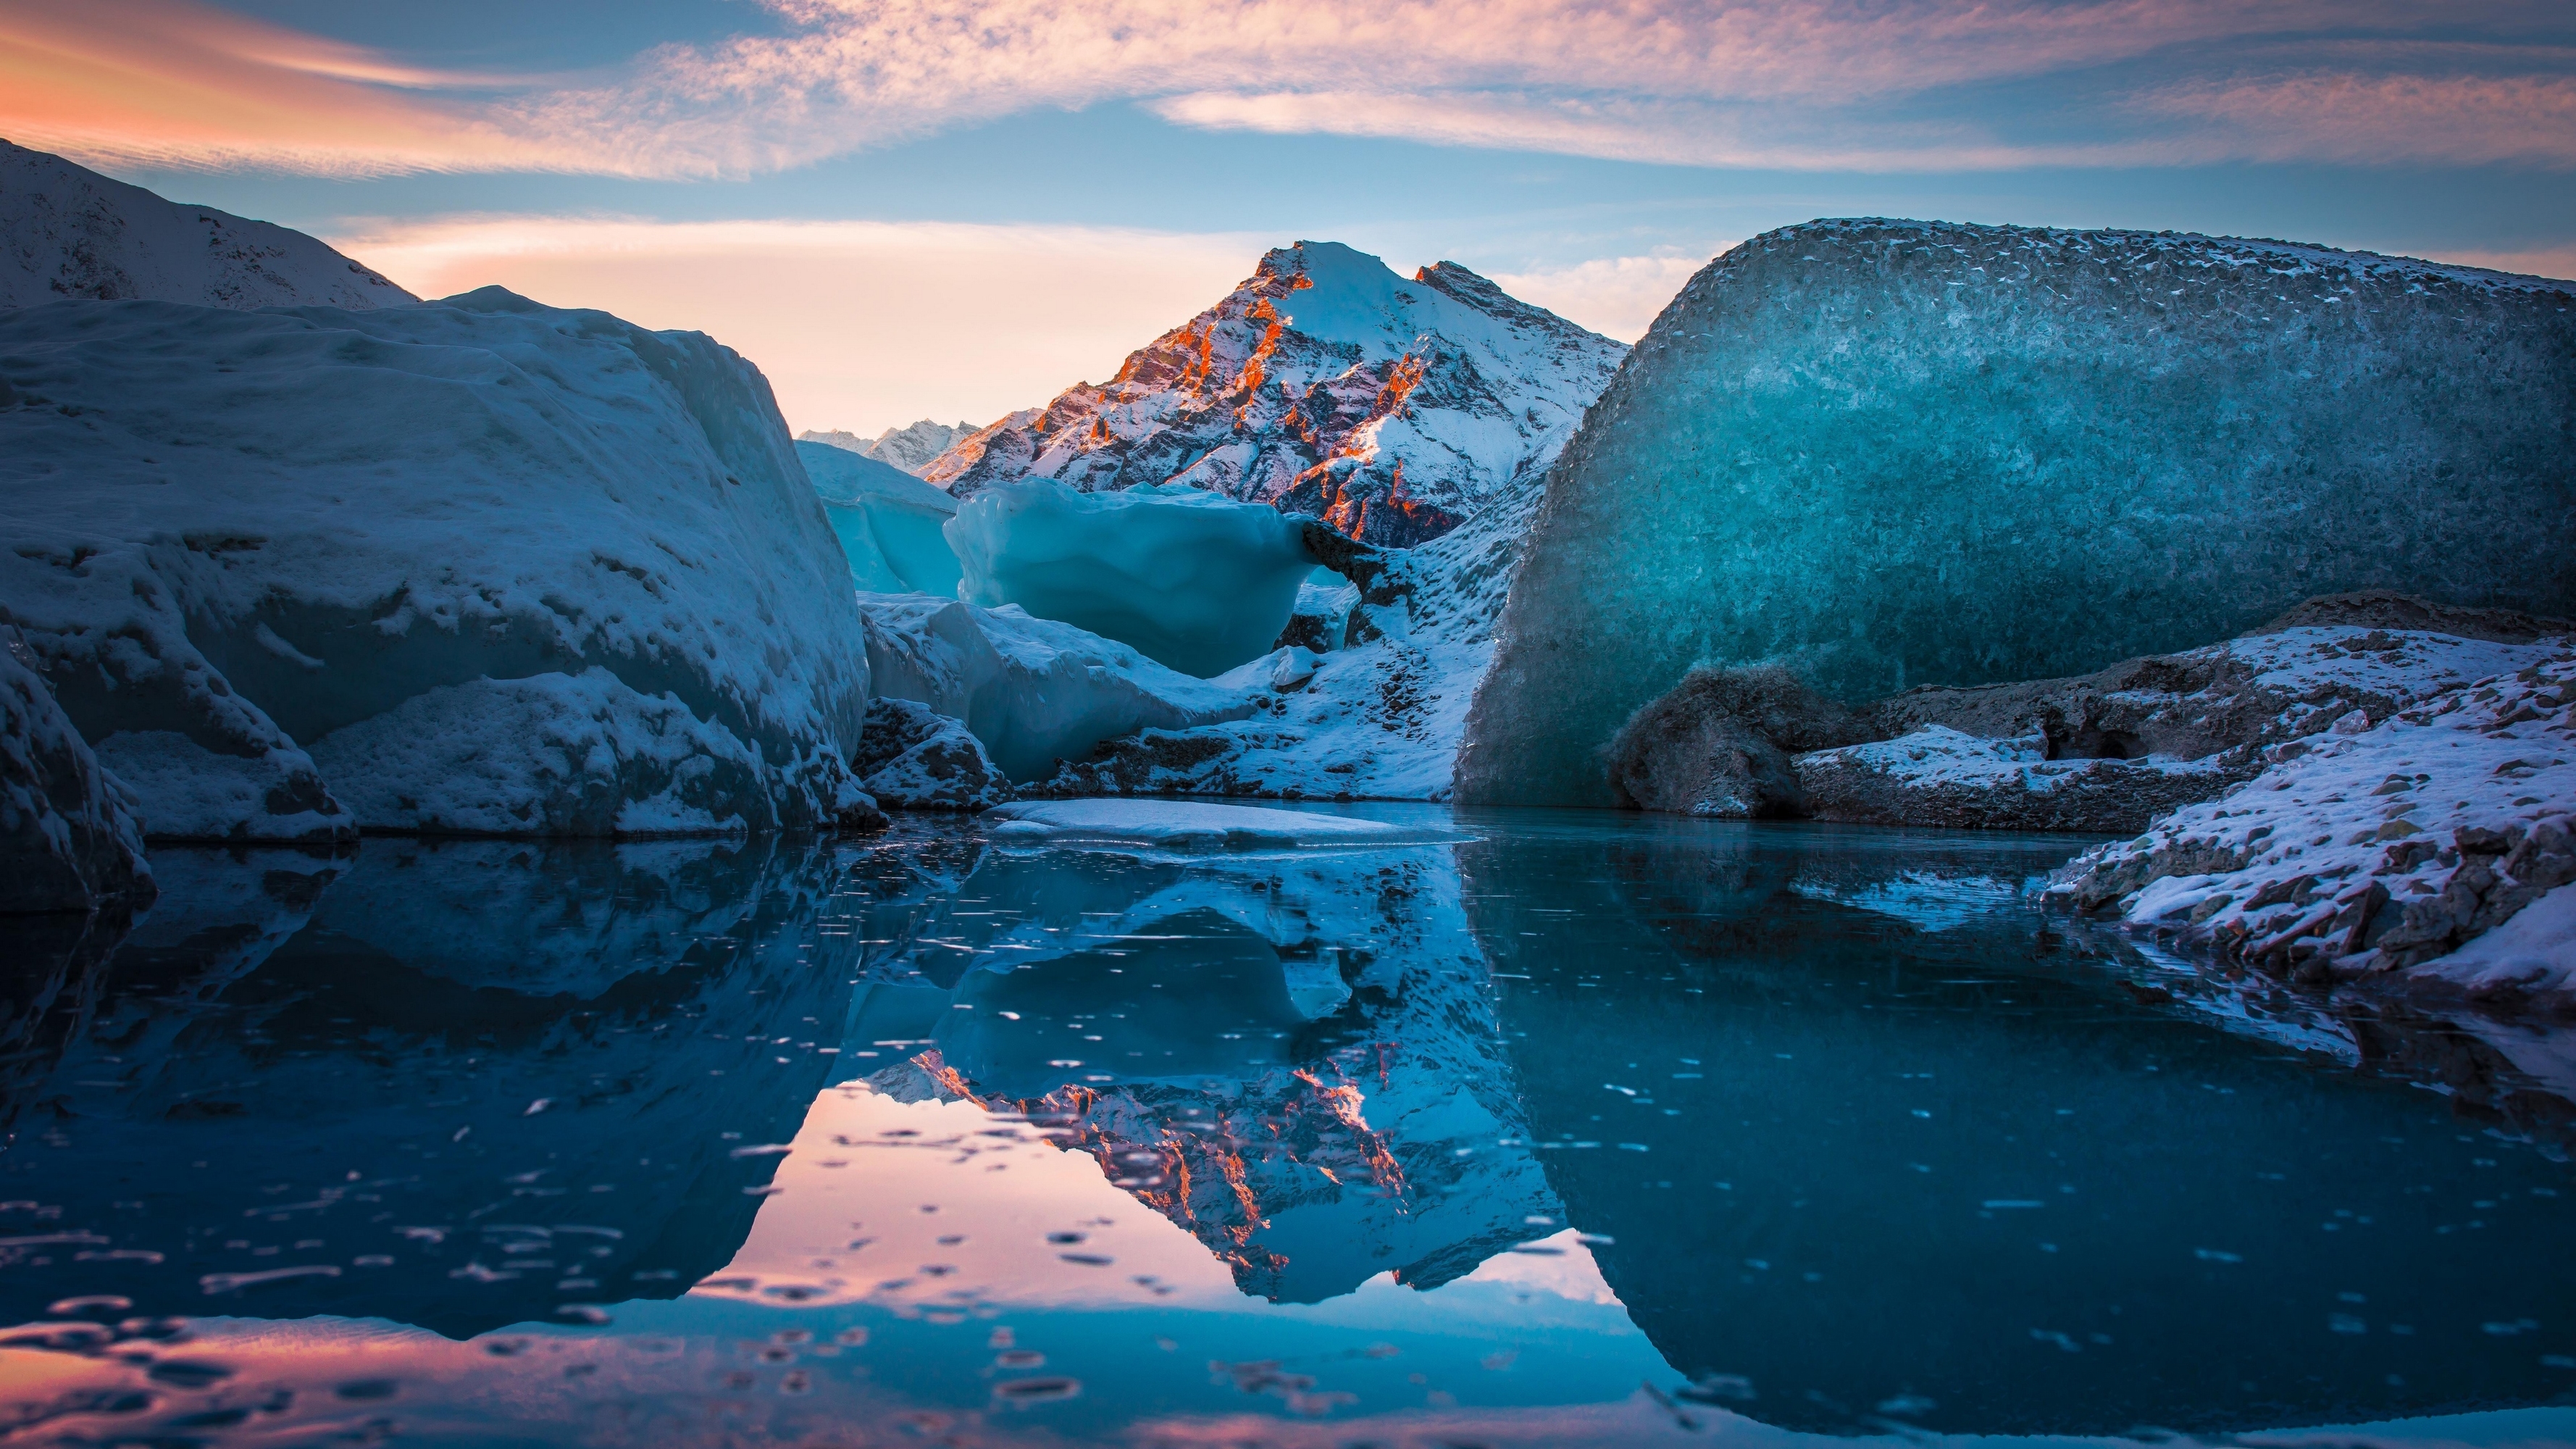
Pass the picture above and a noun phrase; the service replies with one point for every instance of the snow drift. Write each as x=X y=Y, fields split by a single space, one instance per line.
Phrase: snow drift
x=1194 y=581
x=1326 y=384
x=474 y=565
x=1888 y=454
x=66 y=232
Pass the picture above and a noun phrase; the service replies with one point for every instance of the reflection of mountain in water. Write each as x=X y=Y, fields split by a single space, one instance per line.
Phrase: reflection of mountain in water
x=1293 y=1058
x=455 y=1085
x=1917 y=1162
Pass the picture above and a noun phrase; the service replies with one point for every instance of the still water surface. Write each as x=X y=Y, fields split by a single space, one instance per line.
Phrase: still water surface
x=1584 y=1129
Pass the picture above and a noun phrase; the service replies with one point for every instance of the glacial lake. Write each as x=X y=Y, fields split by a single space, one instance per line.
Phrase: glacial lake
x=1579 y=1129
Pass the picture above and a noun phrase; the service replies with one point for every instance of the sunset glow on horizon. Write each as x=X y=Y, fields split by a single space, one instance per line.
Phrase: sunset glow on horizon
x=819 y=180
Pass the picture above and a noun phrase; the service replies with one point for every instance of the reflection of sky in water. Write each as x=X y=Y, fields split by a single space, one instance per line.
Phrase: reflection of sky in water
x=1589 y=1130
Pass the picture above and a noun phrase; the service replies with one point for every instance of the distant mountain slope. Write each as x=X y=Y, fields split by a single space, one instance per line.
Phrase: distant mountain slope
x=910 y=447
x=1325 y=384
x=67 y=232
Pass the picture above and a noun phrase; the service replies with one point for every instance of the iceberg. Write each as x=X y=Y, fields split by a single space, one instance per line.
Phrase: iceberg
x=476 y=565
x=1033 y=691
x=1190 y=579
x=1887 y=454
x=887 y=520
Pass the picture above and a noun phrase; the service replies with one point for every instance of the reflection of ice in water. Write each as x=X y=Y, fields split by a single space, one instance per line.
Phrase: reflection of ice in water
x=1926 y=900
x=933 y=1209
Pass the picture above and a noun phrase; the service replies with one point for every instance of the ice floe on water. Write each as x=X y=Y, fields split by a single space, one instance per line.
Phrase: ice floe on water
x=1190 y=825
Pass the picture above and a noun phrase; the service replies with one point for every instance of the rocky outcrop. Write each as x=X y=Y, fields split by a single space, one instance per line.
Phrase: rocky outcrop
x=1939 y=776
x=2104 y=752
x=915 y=758
x=1325 y=384
x=68 y=837
x=1891 y=453
x=2378 y=849
x=1719 y=745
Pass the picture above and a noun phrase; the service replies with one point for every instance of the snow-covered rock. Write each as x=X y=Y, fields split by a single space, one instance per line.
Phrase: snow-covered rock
x=1940 y=776
x=1325 y=384
x=583 y=551
x=1187 y=825
x=1887 y=454
x=888 y=522
x=910 y=447
x=1191 y=579
x=2111 y=751
x=67 y=232
x=915 y=758
x=2377 y=846
x=1036 y=692
x=68 y=840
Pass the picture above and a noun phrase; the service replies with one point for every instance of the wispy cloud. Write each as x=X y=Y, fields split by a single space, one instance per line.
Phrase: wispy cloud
x=172 y=83
x=861 y=325
x=1615 y=296
x=1806 y=84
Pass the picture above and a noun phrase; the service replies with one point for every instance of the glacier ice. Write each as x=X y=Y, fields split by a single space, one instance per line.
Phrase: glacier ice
x=1889 y=454
x=888 y=521
x=1034 y=691
x=237 y=535
x=1393 y=408
x=1378 y=712
x=68 y=232
x=1191 y=579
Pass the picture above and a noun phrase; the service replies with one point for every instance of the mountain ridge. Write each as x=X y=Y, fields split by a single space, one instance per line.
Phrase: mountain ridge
x=1393 y=408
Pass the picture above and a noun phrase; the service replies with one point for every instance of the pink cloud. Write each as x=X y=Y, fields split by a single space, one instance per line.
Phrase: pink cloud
x=1789 y=83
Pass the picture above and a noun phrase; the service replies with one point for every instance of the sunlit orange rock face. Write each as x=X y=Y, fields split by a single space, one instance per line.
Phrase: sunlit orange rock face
x=1325 y=384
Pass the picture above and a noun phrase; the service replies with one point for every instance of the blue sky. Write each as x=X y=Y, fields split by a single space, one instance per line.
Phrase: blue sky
x=902 y=207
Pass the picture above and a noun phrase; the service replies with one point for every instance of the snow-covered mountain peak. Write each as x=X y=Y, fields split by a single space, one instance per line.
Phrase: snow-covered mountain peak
x=68 y=233
x=1326 y=383
x=910 y=447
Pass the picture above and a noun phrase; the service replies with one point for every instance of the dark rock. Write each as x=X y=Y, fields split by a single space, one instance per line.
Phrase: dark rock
x=69 y=840
x=911 y=757
x=2389 y=609
x=1719 y=744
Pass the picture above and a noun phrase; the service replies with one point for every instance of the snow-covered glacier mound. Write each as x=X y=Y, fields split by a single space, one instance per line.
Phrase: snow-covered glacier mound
x=1889 y=454
x=476 y=565
x=66 y=231
x=1192 y=580
x=1325 y=384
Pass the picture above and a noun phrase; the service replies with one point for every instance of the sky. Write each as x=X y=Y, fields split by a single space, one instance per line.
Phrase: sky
x=955 y=208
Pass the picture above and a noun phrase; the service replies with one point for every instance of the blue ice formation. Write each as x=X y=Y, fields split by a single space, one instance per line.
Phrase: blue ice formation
x=1895 y=453
x=1192 y=580
x=888 y=521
